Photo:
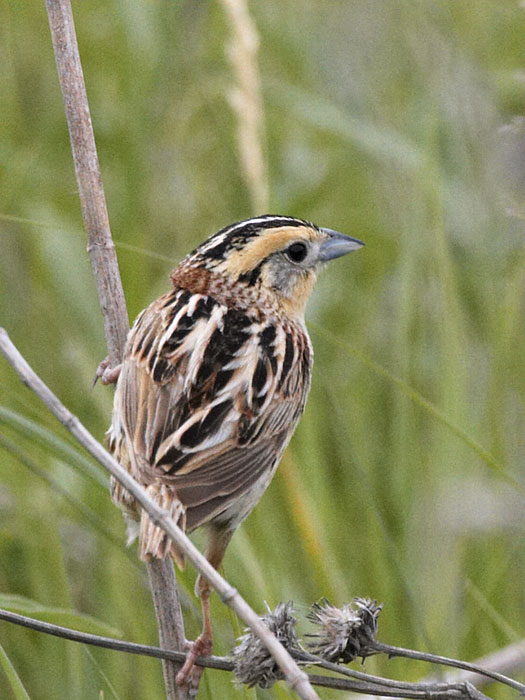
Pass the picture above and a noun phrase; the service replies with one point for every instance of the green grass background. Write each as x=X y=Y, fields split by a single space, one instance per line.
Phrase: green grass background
x=404 y=481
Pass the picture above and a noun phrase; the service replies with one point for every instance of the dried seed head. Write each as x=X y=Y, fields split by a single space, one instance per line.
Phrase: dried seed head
x=253 y=663
x=347 y=632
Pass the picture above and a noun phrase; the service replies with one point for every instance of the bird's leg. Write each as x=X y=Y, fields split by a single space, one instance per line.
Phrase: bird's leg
x=218 y=540
x=107 y=374
x=202 y=646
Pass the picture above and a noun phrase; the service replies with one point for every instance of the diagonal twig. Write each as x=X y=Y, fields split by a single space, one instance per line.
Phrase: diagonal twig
x=295 y=677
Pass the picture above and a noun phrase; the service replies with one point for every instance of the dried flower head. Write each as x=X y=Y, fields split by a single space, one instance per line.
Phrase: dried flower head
x=253 y=663
x=347 y=632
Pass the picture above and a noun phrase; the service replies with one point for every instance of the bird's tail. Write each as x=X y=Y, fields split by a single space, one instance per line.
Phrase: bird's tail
x=153 y=542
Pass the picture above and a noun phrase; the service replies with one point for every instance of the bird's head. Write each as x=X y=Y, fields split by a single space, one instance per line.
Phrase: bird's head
x=277 y=254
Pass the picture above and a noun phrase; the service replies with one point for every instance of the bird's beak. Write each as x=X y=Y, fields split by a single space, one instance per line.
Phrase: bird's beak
x=337 y=244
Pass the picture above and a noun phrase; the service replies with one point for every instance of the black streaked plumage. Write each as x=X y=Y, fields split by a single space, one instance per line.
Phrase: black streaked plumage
x=214 y=380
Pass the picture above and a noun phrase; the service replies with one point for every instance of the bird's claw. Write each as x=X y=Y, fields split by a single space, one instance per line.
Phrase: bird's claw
x=189 y=673
x=107 y=374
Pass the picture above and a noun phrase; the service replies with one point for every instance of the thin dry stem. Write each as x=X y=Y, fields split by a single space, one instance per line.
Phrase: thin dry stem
x=92 y=200
x=246 y=100
x=109 y=286
x=295 y=677
x=164 y=590
x=509 y=659
x=360 y=683
x=392 y=651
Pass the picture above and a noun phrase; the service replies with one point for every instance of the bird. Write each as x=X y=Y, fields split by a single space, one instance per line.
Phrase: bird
x=214 y=379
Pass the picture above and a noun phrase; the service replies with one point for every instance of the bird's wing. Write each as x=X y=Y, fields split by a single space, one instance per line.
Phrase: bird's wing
x=208 y=397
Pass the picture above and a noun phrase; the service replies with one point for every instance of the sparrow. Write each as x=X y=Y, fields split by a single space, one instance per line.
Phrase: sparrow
x=214 y=379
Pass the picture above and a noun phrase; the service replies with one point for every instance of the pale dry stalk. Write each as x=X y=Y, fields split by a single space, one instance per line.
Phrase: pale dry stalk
x=105 y=269
x=109 y=286
x=246 y=101
x=295 y=677
x=92 y=200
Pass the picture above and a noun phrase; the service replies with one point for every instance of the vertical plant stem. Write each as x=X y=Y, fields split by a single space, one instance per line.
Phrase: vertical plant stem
x=163 y=584
x=109 y=286
x=296 y=678
x=246 y=101
x=92 y=200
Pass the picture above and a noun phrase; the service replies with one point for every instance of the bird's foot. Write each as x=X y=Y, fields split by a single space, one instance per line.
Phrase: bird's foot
x=107 y=374
x=189 y=673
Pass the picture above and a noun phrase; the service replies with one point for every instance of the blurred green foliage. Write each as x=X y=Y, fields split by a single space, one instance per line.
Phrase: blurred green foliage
x=383 y=120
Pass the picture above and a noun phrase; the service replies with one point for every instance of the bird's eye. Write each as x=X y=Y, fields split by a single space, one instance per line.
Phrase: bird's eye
x=297 y=252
